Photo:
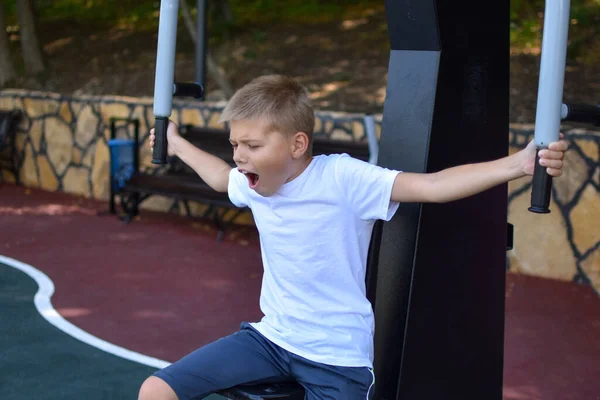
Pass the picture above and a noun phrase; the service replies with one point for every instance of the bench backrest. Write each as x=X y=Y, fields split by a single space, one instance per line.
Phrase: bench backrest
x=216 y=142
x=323 y=145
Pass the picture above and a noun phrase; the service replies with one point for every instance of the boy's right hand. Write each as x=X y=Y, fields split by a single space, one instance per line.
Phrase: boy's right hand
x=172 y=137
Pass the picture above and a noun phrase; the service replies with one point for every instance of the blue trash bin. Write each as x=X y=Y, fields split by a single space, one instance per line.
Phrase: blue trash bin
x=121 y=162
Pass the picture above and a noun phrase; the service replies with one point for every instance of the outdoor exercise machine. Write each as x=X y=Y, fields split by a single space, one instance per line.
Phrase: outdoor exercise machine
x=439 y=314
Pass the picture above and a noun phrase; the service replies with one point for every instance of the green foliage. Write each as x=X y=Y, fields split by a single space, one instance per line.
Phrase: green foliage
x=527 y=19
x=245 y=11
x=526 y=16
x=274 y=11
x=91 y=12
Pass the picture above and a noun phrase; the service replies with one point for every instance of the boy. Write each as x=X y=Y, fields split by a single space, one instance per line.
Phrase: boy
x=315 y=217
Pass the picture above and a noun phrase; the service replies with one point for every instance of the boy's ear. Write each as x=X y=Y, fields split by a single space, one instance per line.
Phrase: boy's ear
x=300 y=143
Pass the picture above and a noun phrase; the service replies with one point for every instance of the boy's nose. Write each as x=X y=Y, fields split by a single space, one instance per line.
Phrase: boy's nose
x=238 y=157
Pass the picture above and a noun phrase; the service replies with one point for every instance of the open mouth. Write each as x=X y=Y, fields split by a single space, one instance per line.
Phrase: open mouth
x=252 y=179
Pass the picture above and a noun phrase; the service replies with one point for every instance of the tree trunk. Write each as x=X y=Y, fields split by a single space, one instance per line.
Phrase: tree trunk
x=7 y=70
x=30 y=45
x=213 y=69
x=224 y=8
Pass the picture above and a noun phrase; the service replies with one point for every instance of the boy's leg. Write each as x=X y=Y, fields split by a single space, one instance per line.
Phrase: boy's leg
x=242 y=357
x=323 y=381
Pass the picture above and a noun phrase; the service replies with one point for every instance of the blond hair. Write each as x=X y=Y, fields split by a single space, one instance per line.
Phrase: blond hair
x=279 y=99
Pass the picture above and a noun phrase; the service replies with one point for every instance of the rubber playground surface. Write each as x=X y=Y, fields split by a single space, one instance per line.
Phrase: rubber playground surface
x=89 y=307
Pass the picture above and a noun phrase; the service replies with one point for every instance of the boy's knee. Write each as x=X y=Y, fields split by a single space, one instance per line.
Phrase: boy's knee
x=155 y=388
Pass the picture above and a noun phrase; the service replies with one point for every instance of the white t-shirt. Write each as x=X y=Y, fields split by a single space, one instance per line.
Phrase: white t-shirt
x=314 y=237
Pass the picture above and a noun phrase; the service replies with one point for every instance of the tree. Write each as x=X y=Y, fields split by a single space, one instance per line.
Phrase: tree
x=30 y=45
x=7 y=70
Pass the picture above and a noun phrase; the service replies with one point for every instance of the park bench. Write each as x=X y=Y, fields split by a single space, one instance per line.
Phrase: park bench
x=9 y=121
x=178 y=181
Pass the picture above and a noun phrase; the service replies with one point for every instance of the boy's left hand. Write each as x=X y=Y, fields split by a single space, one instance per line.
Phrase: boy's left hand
x=551 y=158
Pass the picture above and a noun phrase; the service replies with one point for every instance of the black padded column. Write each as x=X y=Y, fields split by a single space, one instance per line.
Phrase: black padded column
x=439 y=298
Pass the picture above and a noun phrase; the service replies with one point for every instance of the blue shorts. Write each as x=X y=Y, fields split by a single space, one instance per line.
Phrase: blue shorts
x=248 y=357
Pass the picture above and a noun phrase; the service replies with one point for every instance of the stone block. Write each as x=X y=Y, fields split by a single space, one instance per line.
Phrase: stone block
x=88 y=126
x=541 y=245
x=59 y=141
x=36 y=108
x=65 y=112
x=36 y=134
x=589 y=148
x=113 y=110
x=192 y=116
x=576 y=173
x=77 y=181
x=48 y=179
x=28 y=172
x=591 y=267
x=585 y=219
x=101 y=172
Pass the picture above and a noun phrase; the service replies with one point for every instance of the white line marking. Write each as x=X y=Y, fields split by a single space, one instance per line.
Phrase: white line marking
x=44 y=306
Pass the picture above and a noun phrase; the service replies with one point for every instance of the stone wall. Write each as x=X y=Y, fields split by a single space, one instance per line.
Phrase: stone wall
x=564 y=244
x=62 y=146
x=63 y=141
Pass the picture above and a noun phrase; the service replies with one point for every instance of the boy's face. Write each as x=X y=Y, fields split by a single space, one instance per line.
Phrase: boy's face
x=265 y=157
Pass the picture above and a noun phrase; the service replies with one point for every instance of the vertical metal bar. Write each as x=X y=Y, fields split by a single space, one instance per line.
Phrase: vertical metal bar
x=552 y=72
x=550 y=93
x=136 y=146
x=201 y=43
x=439 y=306
x=165 y=77
x=111 y=204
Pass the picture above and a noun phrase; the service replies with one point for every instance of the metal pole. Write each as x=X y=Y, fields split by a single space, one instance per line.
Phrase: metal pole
x=550 y=96
x=201 y=42
x=165 y=75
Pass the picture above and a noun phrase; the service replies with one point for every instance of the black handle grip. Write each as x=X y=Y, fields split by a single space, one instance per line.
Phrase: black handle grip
x=542 y=188
x=584 y=113
x=159 y=152
x=194 y=90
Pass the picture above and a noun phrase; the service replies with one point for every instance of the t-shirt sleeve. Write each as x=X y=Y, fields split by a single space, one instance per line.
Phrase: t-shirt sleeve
x=237 y=189
x=366 y=187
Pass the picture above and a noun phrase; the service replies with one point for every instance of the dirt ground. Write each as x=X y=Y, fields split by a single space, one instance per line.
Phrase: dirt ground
x=344 y=65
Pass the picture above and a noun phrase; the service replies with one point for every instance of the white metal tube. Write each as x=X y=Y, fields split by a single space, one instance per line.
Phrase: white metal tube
x=372 y=139
x=552 y=72
x=165 y=58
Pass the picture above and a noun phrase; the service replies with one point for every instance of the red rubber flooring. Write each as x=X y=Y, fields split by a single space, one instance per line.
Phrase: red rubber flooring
x=163 y=286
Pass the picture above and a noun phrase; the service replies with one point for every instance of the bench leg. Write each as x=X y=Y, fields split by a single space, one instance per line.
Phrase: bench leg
x=222 y=223
x=212 y=212
x=226 y=223
x=188 y=212
x=130 y=205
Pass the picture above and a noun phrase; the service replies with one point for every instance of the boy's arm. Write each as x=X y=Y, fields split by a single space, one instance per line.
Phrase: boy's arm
x=213 y=170
x=453 y=183
x=466 y=180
